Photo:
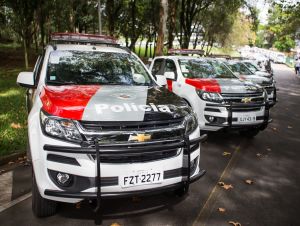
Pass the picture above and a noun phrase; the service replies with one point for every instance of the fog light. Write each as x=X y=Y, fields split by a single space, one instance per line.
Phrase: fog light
x=211 y=118
x=63 y=179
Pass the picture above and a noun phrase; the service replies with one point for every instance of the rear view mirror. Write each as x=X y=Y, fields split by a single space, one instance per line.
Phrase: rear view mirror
x=161 y=80
x=26 y=79
x=138 y=78
x=170 y=75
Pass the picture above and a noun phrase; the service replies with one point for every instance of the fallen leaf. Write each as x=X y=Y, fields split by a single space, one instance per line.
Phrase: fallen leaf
x=225 y=186
x=269 y=149
x=258 y=154
x=248 y=181
x=222 y=210
x=221 y=183
x=11 y=162
x=15 y=125
x=274 y=128
x=290 y=127
x=226 y=153
x=78 y=205
x=20 y=159
x=235 y=223
x=115 y=224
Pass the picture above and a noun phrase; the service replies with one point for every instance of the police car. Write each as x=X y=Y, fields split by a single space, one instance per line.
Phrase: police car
x=99 y=126
x=241 y=70
x=219 y=98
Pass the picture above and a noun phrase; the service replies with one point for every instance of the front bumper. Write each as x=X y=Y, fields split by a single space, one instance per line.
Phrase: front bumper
x=226 y=115
x=100 y=185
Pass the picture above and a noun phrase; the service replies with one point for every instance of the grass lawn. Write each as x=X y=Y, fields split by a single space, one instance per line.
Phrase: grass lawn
x=13 y=114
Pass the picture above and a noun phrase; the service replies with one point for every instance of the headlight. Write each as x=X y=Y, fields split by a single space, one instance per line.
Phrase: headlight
x=59 y=128
x=191 y=123
x=208 y=96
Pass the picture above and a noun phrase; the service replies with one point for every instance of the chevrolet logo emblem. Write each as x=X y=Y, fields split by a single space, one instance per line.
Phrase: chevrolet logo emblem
x=140 y=137
x=246 y=100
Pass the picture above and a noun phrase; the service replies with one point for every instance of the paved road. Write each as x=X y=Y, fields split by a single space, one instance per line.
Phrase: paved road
x=270 y=161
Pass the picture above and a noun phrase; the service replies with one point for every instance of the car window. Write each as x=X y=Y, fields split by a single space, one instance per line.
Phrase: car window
x=240 y=68
x=157 y=67
x=171 y=67
x=251 y=66
x=194 y=68
x=91 y=67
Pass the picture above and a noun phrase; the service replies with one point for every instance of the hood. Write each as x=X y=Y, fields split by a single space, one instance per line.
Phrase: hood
x=112 y=103
x=262 y=81
x=224 y=85
x=263 y=74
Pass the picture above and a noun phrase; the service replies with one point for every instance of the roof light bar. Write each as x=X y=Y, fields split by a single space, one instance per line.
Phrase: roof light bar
x=186 y=51
x=83 y=38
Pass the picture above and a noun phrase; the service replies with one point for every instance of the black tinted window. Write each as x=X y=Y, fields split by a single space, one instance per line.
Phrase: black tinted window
x=157 y=67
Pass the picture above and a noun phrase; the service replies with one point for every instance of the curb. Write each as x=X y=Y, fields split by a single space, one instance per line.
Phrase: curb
x=6 y=159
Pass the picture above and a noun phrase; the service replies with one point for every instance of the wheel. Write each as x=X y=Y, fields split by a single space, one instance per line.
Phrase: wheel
x=182 y=191
x=250 y=133
x=41 y=207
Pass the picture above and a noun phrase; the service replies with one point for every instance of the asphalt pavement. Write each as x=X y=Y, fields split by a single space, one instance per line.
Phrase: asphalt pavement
x=248 y=181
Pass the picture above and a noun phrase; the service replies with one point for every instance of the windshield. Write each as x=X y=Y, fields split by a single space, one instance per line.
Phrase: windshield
x=195 y=68
x=251 y=66
x=240 y=68
x=100 y=68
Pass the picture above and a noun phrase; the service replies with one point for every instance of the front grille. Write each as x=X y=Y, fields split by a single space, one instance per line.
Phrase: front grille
x=137 y=157
x=236 y=98
x=121 y=126
x=269 y=89
x=238 y=105
x=163 y=131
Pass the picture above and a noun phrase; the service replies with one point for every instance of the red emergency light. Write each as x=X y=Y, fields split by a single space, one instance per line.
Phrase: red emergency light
x=185 y=51
x=83 y=38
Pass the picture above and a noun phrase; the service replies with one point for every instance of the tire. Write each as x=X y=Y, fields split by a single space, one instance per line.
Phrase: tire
x=28 y=152
x=41 y=207
x=182 y=191
x=250 y=133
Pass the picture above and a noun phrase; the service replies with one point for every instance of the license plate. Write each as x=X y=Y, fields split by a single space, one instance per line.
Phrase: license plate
x=141 y=178
x=247 y=118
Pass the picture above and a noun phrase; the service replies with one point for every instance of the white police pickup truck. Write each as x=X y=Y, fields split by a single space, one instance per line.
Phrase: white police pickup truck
x=219 y=98
x=99 y=126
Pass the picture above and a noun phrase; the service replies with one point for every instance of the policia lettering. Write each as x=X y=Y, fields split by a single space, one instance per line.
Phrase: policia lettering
x=128 y=107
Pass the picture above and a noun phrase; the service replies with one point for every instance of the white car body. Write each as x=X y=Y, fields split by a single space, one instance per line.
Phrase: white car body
x=46 y=159
x=206 y=109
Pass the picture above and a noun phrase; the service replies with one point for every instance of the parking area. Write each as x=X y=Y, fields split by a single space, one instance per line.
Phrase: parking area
x=248 y=181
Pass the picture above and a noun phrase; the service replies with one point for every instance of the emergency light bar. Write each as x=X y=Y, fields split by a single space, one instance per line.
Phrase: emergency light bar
x=220 y=56
x=83 y=38
x=185 y=51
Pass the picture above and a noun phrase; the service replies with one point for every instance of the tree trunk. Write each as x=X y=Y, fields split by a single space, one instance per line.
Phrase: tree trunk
x=171 y=22
x=146 y=48
x=25 y=53
x=163 y=14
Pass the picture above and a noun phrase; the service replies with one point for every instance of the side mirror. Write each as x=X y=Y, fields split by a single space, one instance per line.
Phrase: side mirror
x=26 y=79
x=170 y=75
x=161 y=80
